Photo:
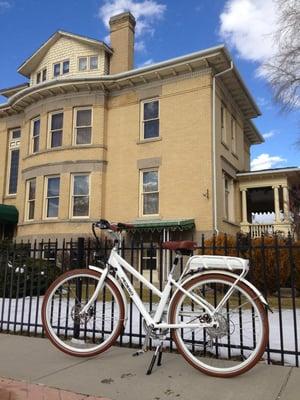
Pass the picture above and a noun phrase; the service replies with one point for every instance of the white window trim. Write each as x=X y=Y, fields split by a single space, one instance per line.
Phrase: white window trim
x=88 y=63
x=231 y=199
x=31 y=135
x=233 y=129
x=13 y=144
x=49 y=134
x=75 y=127
x=141 y=193
x=142 y=136
x=224 y=138
x=72 y=196
x=27 y=201
x=147 y=245
x=61 y=68
x=45 y=207
x=41 y=75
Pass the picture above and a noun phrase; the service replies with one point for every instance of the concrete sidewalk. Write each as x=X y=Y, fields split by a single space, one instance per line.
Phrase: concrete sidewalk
x=119 y=376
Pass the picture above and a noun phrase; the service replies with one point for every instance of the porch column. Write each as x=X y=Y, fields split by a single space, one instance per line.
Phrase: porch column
x=276 y=203
x=286 y=203
x=244 y=207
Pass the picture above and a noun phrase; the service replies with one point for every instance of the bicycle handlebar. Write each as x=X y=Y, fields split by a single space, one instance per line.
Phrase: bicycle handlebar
x=104 y=224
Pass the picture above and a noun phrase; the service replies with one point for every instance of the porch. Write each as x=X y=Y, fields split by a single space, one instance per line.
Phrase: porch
x=270 y=201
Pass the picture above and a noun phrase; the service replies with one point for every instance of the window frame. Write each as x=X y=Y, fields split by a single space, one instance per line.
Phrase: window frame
x=233 y=129
x=46 y=197
x=223 y=120
x=27 y=206
x=50 y=131
x=141 y=192
x=72 y=195
x=13 y=145
x=142 y=121
x=38 y=118
x=228 y=198
x=88 y=63
x=75 y=127
x=61 y=68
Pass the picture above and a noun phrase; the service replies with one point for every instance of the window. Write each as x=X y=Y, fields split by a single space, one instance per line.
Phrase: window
x=94 y=62
x=66 y=66
x=233 y=135
x=13 y=160
x=49 y=251
x=56 y=69
x=149 y=192
x=80 y=195
x=41 y=76
x=52 y=196
x=150 y=121
x=228 y=198
x=223 y=124
x=83 y=126
x=61 y=68
x=82 y=64
x=44 y=74
x=35 y=135
x=149 y=257
x=85 y=63
x=55 y=129
x=31 y=188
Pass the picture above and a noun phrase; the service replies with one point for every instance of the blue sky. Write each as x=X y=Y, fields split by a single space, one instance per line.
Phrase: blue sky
x=166 y=29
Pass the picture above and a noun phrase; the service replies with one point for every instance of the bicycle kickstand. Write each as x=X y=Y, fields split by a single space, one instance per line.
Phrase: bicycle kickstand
x=158 y=352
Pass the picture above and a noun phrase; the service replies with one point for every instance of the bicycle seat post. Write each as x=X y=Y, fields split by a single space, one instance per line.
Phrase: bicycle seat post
x=176 y=261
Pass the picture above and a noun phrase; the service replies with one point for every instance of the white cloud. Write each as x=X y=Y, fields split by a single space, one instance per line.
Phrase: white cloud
x=146 y=63
x=248 y=25
x=265 y=161
x=270 y=134
x=4 y=5
x=146 y=13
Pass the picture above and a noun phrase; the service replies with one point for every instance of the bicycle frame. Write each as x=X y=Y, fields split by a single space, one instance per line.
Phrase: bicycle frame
x=119 y=264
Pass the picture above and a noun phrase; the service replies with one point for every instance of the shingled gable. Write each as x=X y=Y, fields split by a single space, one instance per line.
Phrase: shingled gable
x=32 y=62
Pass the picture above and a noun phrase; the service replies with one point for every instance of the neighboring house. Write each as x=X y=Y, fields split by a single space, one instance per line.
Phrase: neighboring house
x=163 y=147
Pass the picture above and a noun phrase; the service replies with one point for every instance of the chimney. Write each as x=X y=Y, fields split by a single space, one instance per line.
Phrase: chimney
x=122 y=42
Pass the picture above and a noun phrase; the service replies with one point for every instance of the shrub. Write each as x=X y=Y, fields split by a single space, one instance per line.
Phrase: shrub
x=25 y=277
x=270 y=258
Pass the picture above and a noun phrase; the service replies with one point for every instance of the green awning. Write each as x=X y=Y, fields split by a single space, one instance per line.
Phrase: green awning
x=159 y=225
x=8 y=214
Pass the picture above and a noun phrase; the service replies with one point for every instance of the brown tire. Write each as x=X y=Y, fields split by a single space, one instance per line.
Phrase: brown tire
x=178 y=310
x=57 y=334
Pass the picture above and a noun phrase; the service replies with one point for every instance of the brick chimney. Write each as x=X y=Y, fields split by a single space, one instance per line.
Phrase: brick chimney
x=122 y=41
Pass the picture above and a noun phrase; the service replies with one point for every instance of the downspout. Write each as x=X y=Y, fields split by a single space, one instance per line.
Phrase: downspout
x=215 y=214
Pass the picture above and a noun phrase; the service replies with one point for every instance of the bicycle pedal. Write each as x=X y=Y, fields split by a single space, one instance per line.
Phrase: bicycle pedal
x=139 y=353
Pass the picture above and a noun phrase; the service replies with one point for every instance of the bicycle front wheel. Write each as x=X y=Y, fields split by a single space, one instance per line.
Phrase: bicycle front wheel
x=239 y=339
x=88 y=334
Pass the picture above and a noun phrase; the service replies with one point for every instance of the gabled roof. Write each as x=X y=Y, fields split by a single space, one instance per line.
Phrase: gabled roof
x=32 y=62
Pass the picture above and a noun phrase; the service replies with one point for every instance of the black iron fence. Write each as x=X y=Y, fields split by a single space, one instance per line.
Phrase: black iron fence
x=27 y=269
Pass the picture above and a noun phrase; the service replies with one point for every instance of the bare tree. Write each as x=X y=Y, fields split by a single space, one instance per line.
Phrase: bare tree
x=283 y=69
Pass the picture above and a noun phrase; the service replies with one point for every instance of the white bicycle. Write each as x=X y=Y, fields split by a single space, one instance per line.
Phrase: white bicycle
x=217 y=318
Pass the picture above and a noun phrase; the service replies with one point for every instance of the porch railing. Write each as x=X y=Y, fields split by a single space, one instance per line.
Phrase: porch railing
x=258 y=230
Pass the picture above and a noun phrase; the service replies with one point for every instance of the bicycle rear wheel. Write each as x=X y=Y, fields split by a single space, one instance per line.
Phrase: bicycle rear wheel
x=238 y=342
x=82 y=335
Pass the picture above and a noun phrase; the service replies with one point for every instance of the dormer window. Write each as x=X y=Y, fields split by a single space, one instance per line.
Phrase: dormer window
x=66 y=67
x=41 y=76
x=61 y=68
x=56 y=69
x=88 y=63
x=82 y=63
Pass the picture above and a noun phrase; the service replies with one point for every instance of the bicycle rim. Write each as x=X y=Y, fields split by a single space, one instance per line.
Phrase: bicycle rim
x=238 y=342
x=76 y=334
